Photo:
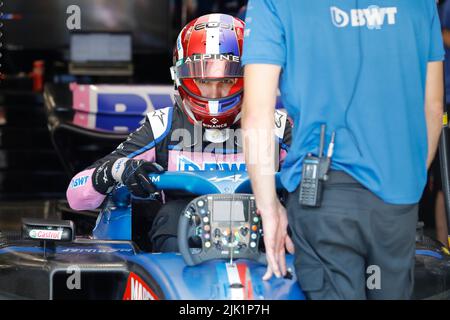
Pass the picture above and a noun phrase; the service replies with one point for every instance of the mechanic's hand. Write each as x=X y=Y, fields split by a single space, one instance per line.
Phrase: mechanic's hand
x=276 y=239
x=131 y=172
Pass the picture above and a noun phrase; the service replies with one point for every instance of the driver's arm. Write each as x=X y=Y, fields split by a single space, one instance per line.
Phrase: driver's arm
x=84 y=194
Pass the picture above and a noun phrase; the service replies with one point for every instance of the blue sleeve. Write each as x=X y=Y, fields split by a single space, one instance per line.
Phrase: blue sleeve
x=264 y=40
x=437 y=52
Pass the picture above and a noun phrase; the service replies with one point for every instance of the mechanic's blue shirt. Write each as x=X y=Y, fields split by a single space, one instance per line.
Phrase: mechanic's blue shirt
x=445 y=20
x=360 y=71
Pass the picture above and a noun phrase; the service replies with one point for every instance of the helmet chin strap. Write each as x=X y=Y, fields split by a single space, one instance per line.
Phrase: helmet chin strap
x=217 y=135
x=181 y=103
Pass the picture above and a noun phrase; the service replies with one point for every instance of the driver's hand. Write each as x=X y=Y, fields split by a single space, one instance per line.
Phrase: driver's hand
x=135 y=177
x=131 y=172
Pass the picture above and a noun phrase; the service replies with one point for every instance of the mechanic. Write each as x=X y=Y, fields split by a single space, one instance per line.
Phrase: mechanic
x=209 y=80
x=367 y=76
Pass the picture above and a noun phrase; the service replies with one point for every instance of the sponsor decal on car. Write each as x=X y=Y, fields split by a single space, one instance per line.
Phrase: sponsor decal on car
x=46 y=234
x=137 y=289
x=186 y=164
x=96 y=250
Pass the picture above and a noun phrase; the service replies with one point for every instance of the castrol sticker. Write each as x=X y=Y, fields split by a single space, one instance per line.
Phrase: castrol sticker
x=46 y=234
x=137 y=289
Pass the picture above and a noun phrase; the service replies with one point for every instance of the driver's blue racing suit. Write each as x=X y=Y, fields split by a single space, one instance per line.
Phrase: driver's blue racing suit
x=169 y=139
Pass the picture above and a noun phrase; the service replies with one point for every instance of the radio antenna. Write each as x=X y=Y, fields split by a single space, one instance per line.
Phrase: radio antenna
x=231 y=235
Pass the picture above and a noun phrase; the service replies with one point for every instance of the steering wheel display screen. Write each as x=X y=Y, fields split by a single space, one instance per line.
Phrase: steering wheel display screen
x=229 y=210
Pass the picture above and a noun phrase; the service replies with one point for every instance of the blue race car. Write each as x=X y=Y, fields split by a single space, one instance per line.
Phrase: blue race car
x=51 y=263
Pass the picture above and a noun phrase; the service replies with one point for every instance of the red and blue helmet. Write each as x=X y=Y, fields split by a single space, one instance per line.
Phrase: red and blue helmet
x=210 y=47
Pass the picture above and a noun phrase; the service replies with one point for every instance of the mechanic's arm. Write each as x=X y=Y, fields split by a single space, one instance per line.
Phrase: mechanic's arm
x=88 y=189
x=261 y=83
x=434 y=106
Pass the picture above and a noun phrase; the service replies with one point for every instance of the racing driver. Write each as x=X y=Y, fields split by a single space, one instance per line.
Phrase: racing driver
x=206 y=118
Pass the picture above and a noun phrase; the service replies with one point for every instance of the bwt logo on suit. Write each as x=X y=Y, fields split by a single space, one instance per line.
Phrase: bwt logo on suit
x=373 y=17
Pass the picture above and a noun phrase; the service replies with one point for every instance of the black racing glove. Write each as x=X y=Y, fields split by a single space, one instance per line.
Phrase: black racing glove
x=130 y=172
x=135 y=177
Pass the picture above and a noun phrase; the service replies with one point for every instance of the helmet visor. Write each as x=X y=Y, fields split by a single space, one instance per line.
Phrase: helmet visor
x=212 y=89
x=209 y=67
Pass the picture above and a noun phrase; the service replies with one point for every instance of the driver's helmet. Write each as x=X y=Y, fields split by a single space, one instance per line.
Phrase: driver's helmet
x=209 y=49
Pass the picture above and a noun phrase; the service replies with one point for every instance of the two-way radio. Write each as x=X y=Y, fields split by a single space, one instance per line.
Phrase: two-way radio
x=315 y=172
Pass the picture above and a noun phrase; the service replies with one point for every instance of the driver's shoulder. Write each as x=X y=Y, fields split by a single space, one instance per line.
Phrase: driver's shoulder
x=161 y=121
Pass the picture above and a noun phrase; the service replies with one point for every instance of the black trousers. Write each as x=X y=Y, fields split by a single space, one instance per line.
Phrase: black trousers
x=355 y=246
